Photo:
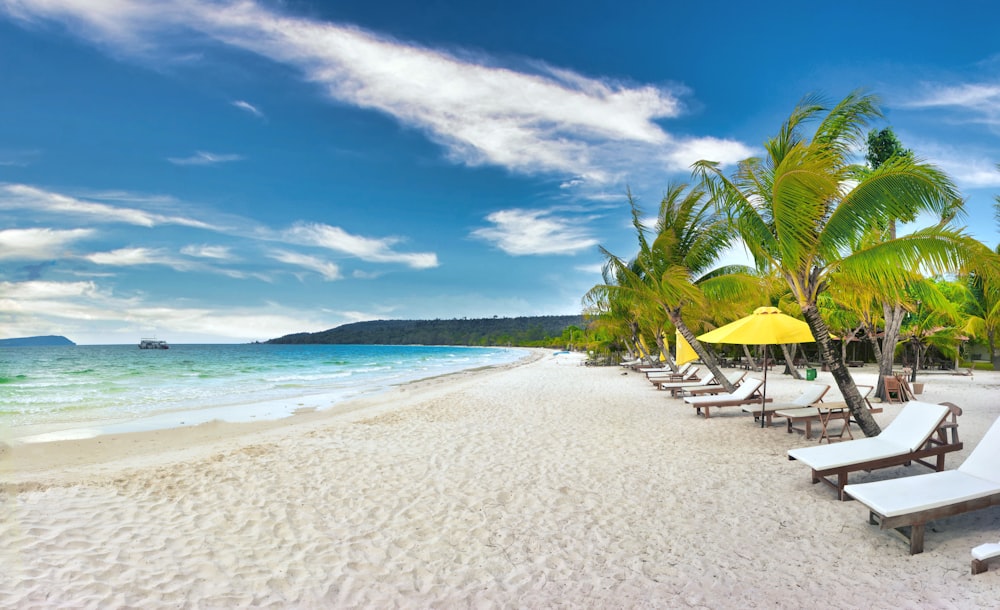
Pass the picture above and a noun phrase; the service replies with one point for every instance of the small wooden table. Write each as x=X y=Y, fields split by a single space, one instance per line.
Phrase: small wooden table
x=832 y=411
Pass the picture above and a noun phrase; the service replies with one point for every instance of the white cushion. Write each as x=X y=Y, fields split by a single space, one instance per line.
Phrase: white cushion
x=986 y=551
x=984 y=461
x=906 y=495
x=824 y=457
x=743 y=392
x=914 y=424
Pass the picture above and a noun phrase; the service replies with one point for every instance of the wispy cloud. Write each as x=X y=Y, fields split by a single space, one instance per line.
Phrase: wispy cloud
x=220 y=253
x=525 y=232
x=18 y=158
x=328 y=270
x=248 y=107
x=365 y=248
x=38 y=244
x=976 y=103
x=130 y=257
x=25 y=197
x=205 y=158
x=539 y=119
x=84 y=312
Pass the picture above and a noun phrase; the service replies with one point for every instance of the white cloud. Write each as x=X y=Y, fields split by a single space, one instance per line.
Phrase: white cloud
x=248 y=107
x=328 y=270
x=526 y=232
x=87 y=314
x=38 y=244
x=36 y=200
x=969 y=167
x=970 y=102
x=205 y=158
x=221 y=253
x=128 y=257
x=542 y=120
x=365 y=248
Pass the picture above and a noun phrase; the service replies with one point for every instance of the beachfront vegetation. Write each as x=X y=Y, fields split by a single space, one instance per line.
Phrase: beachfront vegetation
x=826 y=227
x=668 y=283
x=808 y=212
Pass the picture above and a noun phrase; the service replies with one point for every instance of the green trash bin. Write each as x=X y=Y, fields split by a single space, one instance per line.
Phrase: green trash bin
x=810 y=374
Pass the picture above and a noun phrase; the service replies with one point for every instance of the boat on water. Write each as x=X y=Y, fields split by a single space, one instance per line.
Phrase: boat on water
x=153 y=344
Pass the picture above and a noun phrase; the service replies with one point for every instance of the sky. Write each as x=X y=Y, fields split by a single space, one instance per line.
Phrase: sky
x=226 y=172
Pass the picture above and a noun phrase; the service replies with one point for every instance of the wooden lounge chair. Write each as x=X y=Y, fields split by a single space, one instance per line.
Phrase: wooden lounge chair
x=710 y=389
x=982 y=555
x=749 y=391
x=910 y=502
x=811 y=394
x=675 y=386
x=807 y=416
x=666 y=372
x=689 y=375
x=909 y=438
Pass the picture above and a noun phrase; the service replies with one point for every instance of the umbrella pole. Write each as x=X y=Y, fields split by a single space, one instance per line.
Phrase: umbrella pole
x=763 y=391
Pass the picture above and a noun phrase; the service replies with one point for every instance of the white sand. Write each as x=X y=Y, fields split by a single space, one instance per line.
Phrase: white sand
x=545 y=485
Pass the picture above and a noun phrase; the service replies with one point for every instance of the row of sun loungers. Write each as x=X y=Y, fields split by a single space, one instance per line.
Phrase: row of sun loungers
x=921 y=433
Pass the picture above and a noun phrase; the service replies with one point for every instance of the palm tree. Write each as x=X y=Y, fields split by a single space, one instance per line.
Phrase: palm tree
x=803 y=207
x=674 y=270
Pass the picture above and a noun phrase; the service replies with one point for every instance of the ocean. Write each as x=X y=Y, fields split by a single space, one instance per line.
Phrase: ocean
x=65 y=392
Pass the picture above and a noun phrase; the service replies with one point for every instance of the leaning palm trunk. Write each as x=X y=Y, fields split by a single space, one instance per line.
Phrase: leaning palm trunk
x=838 y=368
x=789 y=352
x=665 y=352
x=893 y=315
x=707 y=357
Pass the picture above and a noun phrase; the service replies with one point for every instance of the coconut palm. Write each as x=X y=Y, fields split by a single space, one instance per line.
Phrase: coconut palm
x=674 y=269
x=803 y=207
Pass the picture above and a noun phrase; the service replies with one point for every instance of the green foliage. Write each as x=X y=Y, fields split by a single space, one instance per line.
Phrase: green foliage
x=882 y=146
x=535 y=331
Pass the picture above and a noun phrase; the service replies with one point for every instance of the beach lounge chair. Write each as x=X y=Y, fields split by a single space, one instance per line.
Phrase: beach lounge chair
x=657 y=378
x=982 y=555
x=675 y=386
x=910 y=502
x=749 y=391
x=811 y=394
x=666 y=372
x=807 y=416
x=909 y=438
x=712 y=389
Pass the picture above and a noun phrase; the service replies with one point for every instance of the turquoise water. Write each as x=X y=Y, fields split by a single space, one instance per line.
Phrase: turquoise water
x=63 y=387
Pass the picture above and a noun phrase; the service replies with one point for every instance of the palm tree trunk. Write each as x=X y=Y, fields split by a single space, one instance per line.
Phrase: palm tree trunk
x=838 y=368
x=665 y=350
x=893 y=315
x=707 y=357
x=789 y=352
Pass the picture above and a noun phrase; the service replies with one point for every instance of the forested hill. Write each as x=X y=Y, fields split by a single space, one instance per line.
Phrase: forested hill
x=44 y=341
x=485 y=331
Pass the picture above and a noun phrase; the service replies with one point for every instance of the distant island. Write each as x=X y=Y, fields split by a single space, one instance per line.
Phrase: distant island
x=538 y=331
x=47 y=340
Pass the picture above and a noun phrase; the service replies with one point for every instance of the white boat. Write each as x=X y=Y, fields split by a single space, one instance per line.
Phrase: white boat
x=153 y=344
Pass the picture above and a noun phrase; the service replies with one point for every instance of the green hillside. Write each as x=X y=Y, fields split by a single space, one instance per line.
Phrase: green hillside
x=523 y=331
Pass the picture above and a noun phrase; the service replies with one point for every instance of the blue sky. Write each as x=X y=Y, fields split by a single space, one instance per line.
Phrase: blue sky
x=236 y=171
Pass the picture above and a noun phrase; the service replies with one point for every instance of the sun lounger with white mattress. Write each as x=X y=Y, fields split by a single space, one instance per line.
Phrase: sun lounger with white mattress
x=908 y=438
x=911 y=502
x=749 y=391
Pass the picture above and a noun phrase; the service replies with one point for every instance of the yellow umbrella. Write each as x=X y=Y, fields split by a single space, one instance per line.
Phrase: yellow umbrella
x=766 y=326
x=685 y=353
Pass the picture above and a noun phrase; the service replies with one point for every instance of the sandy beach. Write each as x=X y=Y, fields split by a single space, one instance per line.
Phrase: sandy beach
x=544 y=484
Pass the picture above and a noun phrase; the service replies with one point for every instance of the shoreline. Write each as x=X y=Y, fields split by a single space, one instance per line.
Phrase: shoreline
x=58 y=459
x=534 y=484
